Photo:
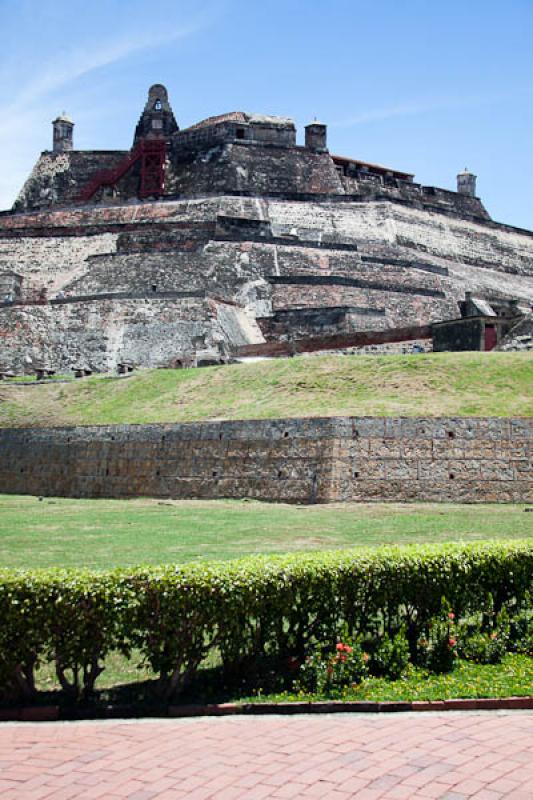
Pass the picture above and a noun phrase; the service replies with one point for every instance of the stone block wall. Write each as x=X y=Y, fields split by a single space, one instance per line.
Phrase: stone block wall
x=288 y=460
x=161 y=331
x=126 y=270
x=60 y=177
x=256 y=169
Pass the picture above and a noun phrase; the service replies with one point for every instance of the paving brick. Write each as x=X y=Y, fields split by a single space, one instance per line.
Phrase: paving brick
x=283 y=757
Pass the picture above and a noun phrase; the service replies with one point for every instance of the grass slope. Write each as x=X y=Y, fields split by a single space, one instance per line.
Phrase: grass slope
x=107 y=533
x=455 y=384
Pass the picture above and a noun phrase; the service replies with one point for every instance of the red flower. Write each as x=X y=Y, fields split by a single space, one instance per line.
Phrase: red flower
x=451 y=615
x=340 y=646
x=365 y=657
x=348 y=649
x=343 y=659
x=452 y=642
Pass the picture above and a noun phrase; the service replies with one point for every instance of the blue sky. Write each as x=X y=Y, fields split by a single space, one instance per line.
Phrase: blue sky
x=426 y=86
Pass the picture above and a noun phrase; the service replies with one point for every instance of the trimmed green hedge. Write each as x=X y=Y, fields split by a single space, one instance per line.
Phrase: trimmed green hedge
x=245 y=611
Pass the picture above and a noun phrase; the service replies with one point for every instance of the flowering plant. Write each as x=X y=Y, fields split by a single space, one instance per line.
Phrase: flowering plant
x=438 y=649
x=330 y=672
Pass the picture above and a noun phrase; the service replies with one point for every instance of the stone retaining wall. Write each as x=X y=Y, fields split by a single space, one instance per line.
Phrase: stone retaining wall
x=290 y=460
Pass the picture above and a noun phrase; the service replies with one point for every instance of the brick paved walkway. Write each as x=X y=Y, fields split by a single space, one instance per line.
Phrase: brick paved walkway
x=466 y=755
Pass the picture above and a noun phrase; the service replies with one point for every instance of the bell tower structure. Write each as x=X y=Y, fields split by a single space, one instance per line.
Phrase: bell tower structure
x=157 y=120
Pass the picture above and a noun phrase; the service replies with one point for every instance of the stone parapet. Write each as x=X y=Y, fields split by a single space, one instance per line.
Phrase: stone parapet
x=301 y=460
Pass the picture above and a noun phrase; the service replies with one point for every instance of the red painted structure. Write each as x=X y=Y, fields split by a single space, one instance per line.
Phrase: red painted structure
x=151 y=153
x=339 y=341
x=491 y=337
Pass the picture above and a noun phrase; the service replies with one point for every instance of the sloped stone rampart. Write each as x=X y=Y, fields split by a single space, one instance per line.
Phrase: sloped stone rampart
x=290 y=460
x=400 y=265
x=102 y=331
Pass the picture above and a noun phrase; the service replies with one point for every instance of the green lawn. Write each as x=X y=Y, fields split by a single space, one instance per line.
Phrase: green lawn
x=125 y=679
x=107 y=533
x=439 y=384
x=512 y=678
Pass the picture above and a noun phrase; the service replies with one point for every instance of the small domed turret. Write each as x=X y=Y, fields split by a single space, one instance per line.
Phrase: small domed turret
x=466 y=183
x=63 y=133
x=316 y=136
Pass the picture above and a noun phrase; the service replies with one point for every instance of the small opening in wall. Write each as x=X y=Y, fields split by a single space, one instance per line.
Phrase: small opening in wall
x=356 y=434
x=22 y=469
x=158 y=472
x=154 y=287
x=112 y=438
x=451 y=435
x=214 y=473
x=452 y=476
x=107 y=472
x=356 y=474
x=286 y=434
x=240 y=133
x=220 y=435
x=280 y=474
x=163 y=438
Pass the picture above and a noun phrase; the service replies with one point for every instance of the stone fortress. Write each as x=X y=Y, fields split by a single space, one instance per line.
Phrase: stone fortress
x=227 y=236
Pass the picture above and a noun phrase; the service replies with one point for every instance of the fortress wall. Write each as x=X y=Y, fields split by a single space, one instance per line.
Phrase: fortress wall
x=405 y=308
x=101 y=333
x=257 y=169
x=428 y=197
x=210 y=159
x=398 y=228
x=51 y=261
x=381 y=229
x=300 y=323
x=60 y=177
x=72 y=221
x=294 y=460
x=221 y=267
x=413 y=264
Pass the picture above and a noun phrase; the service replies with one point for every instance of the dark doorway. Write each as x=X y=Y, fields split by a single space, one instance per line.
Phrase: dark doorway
x=490 y=337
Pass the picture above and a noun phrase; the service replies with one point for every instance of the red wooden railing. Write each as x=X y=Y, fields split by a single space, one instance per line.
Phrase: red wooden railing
x=151 y=153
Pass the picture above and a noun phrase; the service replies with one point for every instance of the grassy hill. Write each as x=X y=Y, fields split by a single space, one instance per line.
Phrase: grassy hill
x=455 y=384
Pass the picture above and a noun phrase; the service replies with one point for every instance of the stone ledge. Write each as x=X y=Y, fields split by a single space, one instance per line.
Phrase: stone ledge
x=56 y=713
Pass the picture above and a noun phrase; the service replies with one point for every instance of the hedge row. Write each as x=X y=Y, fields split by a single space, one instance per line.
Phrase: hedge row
x=243 y=610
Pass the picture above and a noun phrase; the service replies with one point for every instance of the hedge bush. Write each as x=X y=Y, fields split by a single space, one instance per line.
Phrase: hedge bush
x=243 y=611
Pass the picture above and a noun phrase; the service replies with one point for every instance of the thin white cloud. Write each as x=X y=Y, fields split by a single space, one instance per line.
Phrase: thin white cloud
x=425 y=107
x=79 y=61
x=30 y=104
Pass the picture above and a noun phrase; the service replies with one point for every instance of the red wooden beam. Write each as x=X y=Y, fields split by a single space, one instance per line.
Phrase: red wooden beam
x=336 y=342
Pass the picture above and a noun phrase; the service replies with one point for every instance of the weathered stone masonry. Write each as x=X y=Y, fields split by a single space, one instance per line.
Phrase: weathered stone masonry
x=103 y=250
x=292 y=460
